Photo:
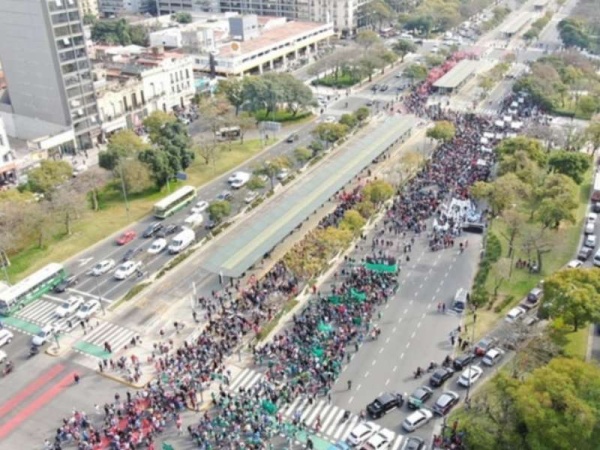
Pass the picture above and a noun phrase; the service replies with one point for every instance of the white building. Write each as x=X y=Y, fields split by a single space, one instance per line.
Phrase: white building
x=132 y=82
x=88 y=7
x=172 y=6
x=8 y=167
x=110 y=8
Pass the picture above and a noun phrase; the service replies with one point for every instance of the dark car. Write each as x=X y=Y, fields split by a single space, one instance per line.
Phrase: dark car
x=445 y=403
x=484 y=345
x=440 y=376
x=384 y=403
x=375 y=87
x=210 y=224
x=66 y=283
x=131 y=253
x=418 y=397
x=168 y=230
x=152 y=229
x=292 y=138
x=596 y=207
x=414 y=443
x=463 y=361
x=384 y=88
x=224 y=196
x=585 y=253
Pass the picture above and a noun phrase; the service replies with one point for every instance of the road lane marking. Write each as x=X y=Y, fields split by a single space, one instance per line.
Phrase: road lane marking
x=387 y=381
x=419 y=324
x=380 y=350
x=373 y=362
x=358 y=387
x=350 y=399
x=411 y=302
x=421 y=286
x=407 y=344
x=413 y=334
x=437 y=291
x=423 y=315
x=405 y=312
x=395 y=368
x=387 y=341
x=394 y=330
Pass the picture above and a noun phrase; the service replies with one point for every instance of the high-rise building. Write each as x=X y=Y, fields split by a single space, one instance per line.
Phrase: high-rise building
x=173 y=6
x=46 y=66
x=111 y=8
x=88 y=7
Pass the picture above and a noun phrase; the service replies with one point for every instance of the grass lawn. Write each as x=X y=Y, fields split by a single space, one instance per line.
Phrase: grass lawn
x=96 y=226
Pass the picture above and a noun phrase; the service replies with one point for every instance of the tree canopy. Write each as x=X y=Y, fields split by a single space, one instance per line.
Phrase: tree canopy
x=49 y=176
x=443 y=130
x=571 y=164
x=119 y=32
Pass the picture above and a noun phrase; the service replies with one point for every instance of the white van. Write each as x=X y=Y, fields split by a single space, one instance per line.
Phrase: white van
x=597 y=259
x=182 y=240
x=460 y=301
x=194 y=220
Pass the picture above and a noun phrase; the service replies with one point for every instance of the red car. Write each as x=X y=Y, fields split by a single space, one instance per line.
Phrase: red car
x=126 y=237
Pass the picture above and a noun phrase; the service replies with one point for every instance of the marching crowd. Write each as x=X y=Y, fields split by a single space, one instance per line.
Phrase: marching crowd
x=307 y=357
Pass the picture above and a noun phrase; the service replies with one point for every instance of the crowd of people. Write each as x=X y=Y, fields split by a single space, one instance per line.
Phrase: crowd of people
x=307 y=357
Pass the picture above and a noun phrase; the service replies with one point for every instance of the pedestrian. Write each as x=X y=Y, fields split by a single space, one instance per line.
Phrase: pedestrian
x=76 y=378
x=195 y=316
x=452 y=340
x=460 y=341
x=100 y=367
x=349 y=384
x=329 y=397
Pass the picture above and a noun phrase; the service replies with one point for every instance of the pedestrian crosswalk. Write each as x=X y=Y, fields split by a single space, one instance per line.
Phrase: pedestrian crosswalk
x=321 y=417
x=115 y=335
x=42 y=312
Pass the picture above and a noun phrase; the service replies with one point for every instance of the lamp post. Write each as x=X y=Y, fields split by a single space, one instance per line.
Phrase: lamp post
x=99 y=295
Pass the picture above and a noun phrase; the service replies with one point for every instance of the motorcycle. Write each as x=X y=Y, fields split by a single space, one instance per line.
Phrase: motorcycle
x=34 y=350
x=432 y=367
x=418 y=373
x=7 y=369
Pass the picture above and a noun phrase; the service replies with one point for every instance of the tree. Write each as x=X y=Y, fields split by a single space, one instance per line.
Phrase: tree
x=378 y=191
x=443 y=130
x=136 y=175
x=90 y=181
x=592 y=132
x=255 y=183
x=182 y=17
x=349 y=120
x=38 y=222
x=572 y=34
x=272 y=167
x=513 y=221
x=501 y=193
x=156 y=121
x=330 y=132
x=416 y=72
x=233 y=89
x=272 y=90
x=574 y=296
x=367 y=39
x=362 y=114
x=67 y=206
x=174 y=141
x=532 y=148
x=403 y=47
x=218 y=210
x=123 y=144
x=48 y=176
x=366 y=208
x=571 y=164
x=378 y=12
x=303 y=154
x=352 y=221
x=119 y=32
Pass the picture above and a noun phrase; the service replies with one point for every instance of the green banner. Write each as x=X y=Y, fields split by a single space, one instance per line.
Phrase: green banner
x=335 y=299
x=325 y=327
x=357 y=295
x=382 y=268
x=269 y=407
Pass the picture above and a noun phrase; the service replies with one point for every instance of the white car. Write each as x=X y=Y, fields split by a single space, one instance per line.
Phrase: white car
x=360 y=434
x=102 y=267
x=492 y=357
x=574 y=264
x=3 y=356
x=329 y=119
x=470 y=375
x=199 y=207
x=590 y=241
x=157 y=246
x=69 y=306
x=283 y=174
x=88 y=309
x=379 y=441
x=6 y=337
x=514 y=314
x=126 y=269
x=417 y=419
x=250 y=197
x=590 y=228
x=44 y=335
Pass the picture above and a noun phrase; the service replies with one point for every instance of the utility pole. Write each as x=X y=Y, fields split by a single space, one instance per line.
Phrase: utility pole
x=99 y=295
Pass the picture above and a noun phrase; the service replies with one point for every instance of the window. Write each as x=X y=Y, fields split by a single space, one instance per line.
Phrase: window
x=58 y=3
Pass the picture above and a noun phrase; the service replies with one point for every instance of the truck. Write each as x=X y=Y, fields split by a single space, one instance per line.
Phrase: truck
x=182 y=240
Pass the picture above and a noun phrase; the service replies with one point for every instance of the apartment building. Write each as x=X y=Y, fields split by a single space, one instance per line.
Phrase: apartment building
x=48 y=74
x=88 y=8
x=110 y=8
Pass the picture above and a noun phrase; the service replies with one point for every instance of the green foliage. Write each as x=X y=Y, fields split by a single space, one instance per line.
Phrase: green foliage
x=362 y=113
x=182 y=17
x=303 y=154
x=571 y=164
x=349 y=120
x=493 y=248
x=352 y=221
x=366 y=208
x=403 y=47
x=339 y=80
x=443 y=131
x=330 y=132
x=537 y=26
x=155 y=121
x=573 y=34
x=49 y=176
x=218 y=210
x=416 y=72
x=255 y=183
x=280 y=116
x=119 y=32
x=123 y=144
x=378 y=191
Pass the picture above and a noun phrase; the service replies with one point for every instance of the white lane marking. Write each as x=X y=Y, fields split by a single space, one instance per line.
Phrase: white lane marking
x=395 y=368
x=351 y=399
x=320 y=411
x=407 y=344
x=380 y=350
x=358 y=387
x=411 y=302
x=413 y=334
x=338 y=416
x=394 y=330
x=402 y=356
x=419 y=325
x=406 y=311
x=387 y=341
x=387 y=381
x=373 y=362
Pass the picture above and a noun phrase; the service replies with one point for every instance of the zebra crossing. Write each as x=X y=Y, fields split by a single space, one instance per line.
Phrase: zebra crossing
x=42 y=312
x=116 y=335
x=311 y=412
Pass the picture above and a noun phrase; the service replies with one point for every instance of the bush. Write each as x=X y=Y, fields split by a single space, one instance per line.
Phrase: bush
x=479 y=296
x=493 y=248
x=344 y=80
x=507 y=301
x=281 y=116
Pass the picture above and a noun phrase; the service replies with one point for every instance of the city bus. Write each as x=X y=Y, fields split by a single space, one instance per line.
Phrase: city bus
x=31 y=288
x=174 y=202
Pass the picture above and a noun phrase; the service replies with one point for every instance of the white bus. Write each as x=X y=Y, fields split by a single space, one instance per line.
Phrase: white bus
x=31 y=288
x=174 y=202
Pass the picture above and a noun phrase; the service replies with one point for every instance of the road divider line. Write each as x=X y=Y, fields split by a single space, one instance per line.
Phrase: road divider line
x=36 y=404
x=358 y=387
x=407 y=344
x=402 y=356
x=413 y=334
x=380 y=350
x=395 y=368
x=387 y=341
x=30 y=389
x=387 y=381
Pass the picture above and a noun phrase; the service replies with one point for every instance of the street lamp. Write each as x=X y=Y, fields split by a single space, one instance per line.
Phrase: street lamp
x=99 y=295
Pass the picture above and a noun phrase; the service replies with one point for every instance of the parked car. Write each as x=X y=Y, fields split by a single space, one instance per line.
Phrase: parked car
x=492 y=356
x=585 y=253
x=414 y=443
x=417 y=419
x=200 y=206
x=470 y=375
x=574 y=264
x=87 y=310
x=69 y=306
x=360 y=434
x=514 y=314
x=534 y=295
x=440 y=376
x=6 y=337
x=225 y=196
x=446 y=402
x=329 y=119
x=384 y=403
x=102 y=267
x=68 y=282
x=127 y=269
x=152 y=229
x=418 y=397
x=590 y=241
x=462 y=361
x=126 y=237
x=380 y=440
x=250 y=197
x=484 y=345
x=283 y=174
x=292 y=138
x=157 y=246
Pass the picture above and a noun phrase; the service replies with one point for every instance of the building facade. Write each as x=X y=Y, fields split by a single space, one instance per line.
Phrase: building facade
x=47 y=69
x=88 y=8
x=109 y=8
x=173 y=6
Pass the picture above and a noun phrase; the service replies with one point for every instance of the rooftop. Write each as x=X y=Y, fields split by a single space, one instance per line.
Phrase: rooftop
x=457 y=74
x=244 y=244
x=271 y=36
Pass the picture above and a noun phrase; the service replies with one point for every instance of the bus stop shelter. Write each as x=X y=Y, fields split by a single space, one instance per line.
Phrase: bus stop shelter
x=249 y=240
x=457 y=76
